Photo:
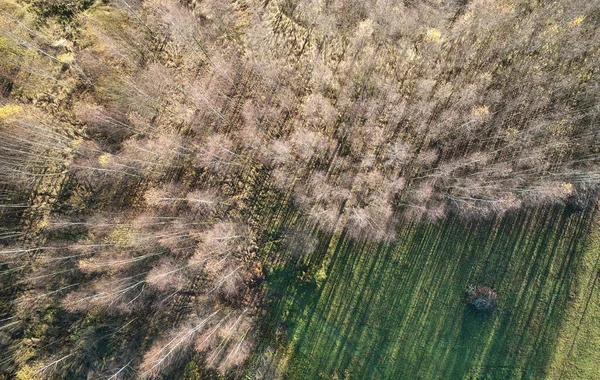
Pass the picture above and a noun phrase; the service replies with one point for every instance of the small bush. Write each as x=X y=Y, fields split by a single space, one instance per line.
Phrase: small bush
x=482 y=298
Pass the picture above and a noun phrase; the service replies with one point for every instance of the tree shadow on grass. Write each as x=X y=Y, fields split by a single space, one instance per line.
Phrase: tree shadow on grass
x=398 y=311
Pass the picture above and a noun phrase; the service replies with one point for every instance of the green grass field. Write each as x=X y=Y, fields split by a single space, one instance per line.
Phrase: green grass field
x=399 y=312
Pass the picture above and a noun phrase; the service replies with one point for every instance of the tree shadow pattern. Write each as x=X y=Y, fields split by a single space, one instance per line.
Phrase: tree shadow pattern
x=398 y=311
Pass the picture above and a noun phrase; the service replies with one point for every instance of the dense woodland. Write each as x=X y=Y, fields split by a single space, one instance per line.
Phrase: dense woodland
x=142 y=144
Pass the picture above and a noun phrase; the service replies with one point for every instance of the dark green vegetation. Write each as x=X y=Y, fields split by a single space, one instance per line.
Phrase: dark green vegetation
x=398 y=311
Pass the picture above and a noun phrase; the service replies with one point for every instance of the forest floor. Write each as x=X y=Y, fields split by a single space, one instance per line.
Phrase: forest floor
x=398 y=311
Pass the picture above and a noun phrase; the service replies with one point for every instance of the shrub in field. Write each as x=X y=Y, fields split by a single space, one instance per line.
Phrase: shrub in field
x=482 y=298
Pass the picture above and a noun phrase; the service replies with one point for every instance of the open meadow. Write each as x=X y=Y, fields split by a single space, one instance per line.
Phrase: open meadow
x=397 y=311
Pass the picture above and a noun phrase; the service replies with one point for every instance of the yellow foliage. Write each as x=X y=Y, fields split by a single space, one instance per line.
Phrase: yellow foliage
x=487 y=77
x=28 y=373
x=62 y=43
x=43 y=223
x=121 y=236
x=104 y=160
x=67 y=58
x=411 y=54
x=577 y=21
x=561 y=128
x=511 y=131
x=481 y=111
x=505 y=6
x=567 y=187
x=9 y=111
x=433 y=35
x=4 y=43
x=552 y=30
x=320 y=276
x=15 y=8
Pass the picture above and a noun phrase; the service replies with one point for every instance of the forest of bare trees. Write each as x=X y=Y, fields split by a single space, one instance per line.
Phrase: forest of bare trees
x=136 y=135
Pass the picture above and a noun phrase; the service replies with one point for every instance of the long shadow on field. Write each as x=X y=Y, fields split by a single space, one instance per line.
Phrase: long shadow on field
x=398 y=311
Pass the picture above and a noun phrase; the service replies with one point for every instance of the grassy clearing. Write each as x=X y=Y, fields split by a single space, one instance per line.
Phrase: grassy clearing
x=578 y=346
x=395 y=312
